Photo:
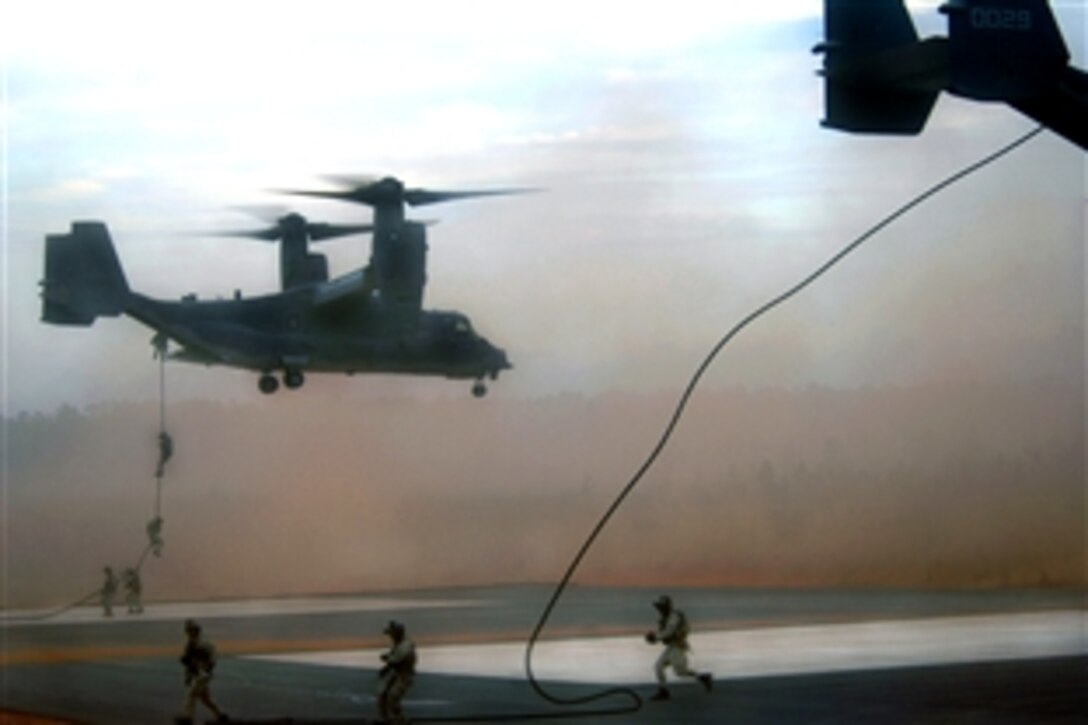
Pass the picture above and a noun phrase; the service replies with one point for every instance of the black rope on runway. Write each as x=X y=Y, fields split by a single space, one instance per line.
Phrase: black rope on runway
x=51 y=613
x=636 y=700
x=682 y=404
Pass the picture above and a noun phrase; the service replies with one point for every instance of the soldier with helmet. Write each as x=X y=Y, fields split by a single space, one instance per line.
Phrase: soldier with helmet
x=133 y=589
x=673 y=630
x=108 y=591
x=396 y=674
x=199 y=660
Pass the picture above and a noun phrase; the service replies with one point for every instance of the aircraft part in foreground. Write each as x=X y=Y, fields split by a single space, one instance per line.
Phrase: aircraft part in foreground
x=880 y=78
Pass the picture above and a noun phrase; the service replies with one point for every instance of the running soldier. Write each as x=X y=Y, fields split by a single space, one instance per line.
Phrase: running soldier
x=673 y=631
x=199 y=662
x=396 y=674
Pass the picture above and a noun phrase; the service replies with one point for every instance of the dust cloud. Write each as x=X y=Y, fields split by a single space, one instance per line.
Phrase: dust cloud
x=921 y=486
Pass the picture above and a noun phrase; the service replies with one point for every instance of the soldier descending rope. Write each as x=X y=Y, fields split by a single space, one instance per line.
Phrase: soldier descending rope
x=166 y=450
x=154 y=535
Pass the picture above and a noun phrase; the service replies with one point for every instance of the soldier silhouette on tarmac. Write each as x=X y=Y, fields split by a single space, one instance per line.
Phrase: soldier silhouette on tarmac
x=199 y=661
x=396 y=674
x=673 y=631
x=133 y=589
x=108 y=591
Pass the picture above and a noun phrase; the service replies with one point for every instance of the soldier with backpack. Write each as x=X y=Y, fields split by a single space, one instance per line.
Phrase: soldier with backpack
x=396 y=674
x=199 y=660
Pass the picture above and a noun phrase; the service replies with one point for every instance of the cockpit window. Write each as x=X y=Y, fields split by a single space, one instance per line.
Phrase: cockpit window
x=456 y=327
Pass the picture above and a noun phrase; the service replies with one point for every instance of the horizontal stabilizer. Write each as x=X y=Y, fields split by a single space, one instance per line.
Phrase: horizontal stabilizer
x=862 y=110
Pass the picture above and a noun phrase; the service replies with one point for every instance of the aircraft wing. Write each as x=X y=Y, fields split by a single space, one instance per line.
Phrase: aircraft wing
x=223 y=343
x=351 y=285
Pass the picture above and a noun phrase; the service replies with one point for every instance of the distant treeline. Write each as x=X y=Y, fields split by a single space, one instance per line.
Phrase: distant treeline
x=932 y=486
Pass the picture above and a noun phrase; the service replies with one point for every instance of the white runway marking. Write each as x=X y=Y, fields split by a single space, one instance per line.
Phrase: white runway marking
x=757 y=652
x=231 y=609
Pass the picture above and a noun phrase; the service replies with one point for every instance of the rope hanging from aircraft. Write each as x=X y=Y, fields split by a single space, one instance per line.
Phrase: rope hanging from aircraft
x=682 y=404
x=154 y=526
x=166 y=451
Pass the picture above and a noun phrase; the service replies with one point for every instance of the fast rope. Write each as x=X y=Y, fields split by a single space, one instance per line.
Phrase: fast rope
x=682 y=404
x=166 y=450
x=154 y=527
x=163 y=435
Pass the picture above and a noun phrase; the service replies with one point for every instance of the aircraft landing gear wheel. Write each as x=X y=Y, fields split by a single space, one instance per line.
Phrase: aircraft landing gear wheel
x=479 y=389
x=268 y=384
x=293 y=379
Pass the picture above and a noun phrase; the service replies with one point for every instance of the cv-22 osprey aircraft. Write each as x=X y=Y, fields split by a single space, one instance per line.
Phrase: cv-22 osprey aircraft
x=880 y=78
x=370 y=320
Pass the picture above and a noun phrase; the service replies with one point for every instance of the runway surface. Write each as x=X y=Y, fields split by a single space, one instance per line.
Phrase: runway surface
x=778 y=656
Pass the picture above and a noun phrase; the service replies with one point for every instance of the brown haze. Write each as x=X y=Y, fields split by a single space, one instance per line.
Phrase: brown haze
x=927 y=486
x=918 y=487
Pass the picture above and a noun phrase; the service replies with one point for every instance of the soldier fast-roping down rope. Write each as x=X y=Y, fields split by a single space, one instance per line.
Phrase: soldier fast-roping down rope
x=153 y=529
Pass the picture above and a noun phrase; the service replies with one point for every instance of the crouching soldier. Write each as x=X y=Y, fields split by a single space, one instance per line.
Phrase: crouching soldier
x=396 y=674
x=672 y=631
x=199 y=662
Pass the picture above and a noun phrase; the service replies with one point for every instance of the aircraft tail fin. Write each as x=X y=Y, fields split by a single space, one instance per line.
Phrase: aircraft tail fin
x=83 y=277
x=1003 y=50
x=879 y=77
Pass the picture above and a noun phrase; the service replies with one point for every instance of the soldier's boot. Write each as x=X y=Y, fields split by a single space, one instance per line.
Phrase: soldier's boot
x=661 y=694
x=707 y=681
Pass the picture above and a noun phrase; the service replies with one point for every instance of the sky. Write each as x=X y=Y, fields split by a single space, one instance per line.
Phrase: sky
x=684 y=180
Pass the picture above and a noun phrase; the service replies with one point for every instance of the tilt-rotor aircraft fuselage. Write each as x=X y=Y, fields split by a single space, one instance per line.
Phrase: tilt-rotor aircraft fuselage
x=368 y=321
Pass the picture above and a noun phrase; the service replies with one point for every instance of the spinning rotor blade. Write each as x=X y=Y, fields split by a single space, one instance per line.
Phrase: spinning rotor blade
x=419 y=197
x=272 y=234
x=389 y=190
x=316 y=232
